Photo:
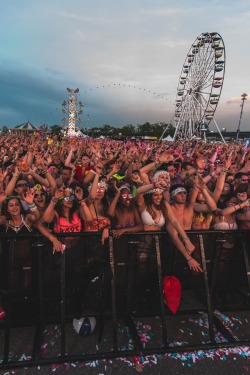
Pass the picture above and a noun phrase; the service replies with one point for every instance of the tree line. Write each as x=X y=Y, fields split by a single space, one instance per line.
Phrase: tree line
x=139 y=130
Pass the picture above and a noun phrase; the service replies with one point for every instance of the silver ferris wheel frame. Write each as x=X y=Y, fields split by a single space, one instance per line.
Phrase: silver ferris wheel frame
x=199 y=87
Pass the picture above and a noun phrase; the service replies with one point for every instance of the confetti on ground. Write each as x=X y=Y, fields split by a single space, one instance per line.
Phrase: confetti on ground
x=146 y=334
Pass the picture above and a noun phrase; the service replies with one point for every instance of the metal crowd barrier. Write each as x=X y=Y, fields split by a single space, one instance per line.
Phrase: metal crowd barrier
x=223 y=255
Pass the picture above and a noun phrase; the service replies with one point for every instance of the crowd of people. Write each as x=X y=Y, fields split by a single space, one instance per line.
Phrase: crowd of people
x=60 y=185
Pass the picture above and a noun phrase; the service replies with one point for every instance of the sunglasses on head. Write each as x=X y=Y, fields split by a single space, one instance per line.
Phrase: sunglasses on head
x=23 y=185
x=39 y=195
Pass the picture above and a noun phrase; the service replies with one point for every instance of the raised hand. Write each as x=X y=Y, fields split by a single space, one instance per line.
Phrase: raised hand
x=78 y=193
x=28 y=196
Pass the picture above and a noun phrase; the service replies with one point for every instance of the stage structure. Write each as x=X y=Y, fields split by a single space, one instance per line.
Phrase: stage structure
x=199 y=87
x=72 y=108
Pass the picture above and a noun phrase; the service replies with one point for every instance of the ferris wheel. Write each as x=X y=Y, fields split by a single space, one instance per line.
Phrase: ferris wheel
x=199 y=87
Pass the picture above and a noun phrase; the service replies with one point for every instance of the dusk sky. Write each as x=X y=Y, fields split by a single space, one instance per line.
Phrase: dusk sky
x=125 y=57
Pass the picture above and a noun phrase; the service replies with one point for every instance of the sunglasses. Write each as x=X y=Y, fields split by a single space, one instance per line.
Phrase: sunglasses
x=70 y=198
x=244 y=180
x=23 y=185
x=124 y=196
x=39 y=195
x=230 y=181
x=171 y=170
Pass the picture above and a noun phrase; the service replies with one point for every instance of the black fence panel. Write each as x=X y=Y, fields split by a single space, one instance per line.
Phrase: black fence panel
x=121 y=280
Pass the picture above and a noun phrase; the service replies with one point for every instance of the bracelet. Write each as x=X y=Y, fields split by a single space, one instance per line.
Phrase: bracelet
x=224 y=171
x=188 y=260
x=32 y=207
x=51 y=238
x=15 y=175
x=54 y=200
x=81 y=200
x=45 y=171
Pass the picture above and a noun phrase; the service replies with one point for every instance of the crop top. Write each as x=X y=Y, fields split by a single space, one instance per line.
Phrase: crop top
x=148 y=220
x=64 y=226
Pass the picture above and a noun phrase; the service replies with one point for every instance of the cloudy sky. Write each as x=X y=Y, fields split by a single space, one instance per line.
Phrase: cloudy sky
x=125 y=58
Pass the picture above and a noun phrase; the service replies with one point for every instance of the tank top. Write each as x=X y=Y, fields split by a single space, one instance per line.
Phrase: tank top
x=23 y=228
x=64 y=226
x=148 y=220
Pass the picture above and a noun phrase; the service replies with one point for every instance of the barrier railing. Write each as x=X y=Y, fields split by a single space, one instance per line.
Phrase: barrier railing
x=32 y=278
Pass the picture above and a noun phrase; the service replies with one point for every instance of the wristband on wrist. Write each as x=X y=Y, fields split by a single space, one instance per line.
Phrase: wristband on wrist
x=54 y=200
x=32 y=207
x=15 y=175
x=188 y=260
x=81 y=200
x=153 y=183
x=51 y=238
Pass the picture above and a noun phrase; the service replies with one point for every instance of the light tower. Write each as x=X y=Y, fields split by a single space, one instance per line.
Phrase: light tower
x=72 y=108
x=243 y=98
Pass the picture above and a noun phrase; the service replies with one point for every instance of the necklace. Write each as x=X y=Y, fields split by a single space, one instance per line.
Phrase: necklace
x=16 y=227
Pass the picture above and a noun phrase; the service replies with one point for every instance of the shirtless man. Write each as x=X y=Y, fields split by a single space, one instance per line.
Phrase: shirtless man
x=184 y=212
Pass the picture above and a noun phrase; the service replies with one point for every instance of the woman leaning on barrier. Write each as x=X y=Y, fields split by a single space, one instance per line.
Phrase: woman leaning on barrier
x=66 y=211
x=100 y=222
x=154 y=210
x=16 y=221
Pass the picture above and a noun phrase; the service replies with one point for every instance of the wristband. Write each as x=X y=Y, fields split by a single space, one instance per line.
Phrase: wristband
x=32 y=207
x=51 y=238
x=188 y=260
x=54 y=200
x=15 y=175
x=81 y=200
x=153 y=183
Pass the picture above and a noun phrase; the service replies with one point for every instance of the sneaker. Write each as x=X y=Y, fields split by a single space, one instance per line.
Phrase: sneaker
x=2 y=313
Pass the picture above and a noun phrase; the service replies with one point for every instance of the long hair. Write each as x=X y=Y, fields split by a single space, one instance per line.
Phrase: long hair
x=149 y=204
x=59 y=209
x=5 y=207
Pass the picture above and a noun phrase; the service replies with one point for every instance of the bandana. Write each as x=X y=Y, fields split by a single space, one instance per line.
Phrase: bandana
x=177 y=190
x=153 y=191
x=158 y=174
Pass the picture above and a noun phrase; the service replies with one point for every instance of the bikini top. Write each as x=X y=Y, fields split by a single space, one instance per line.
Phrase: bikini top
x=96 y=224
x=148 y=220
x=225 y=226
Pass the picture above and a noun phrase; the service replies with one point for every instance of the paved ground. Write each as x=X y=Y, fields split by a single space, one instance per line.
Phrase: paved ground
x=182 y=330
